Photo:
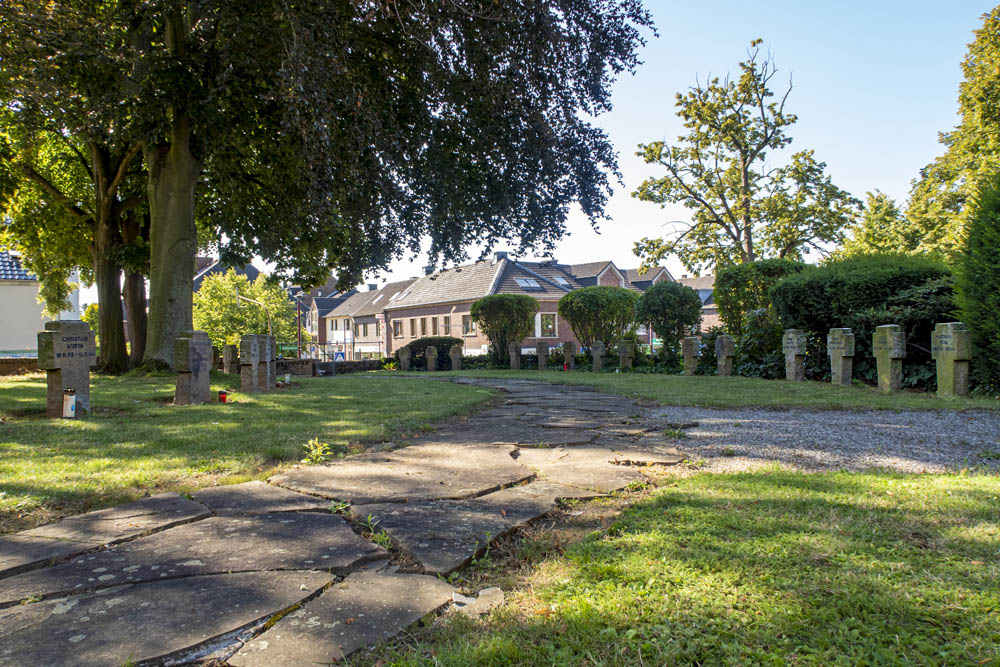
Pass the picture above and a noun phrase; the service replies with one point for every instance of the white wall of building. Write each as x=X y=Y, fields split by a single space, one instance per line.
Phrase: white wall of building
x=20 y=315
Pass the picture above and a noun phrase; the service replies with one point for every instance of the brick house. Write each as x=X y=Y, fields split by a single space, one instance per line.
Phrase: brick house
x=705 y=286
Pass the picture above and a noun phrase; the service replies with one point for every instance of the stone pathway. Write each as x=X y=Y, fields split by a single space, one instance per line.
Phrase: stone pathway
x=266 y=574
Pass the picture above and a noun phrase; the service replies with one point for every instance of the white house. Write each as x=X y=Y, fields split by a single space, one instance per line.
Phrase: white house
x=22 y=314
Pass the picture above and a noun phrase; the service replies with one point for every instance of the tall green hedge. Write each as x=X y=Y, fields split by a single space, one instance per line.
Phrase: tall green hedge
x=418 y=347
x=742 y=288
x=505 y=319
x=599 y=313
x=670 y=308
x=979 y=285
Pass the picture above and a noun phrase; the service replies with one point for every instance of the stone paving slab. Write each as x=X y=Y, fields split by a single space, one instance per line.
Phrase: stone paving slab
x=638 y=454
x=519 y=505
x=443 y=536
x=115 y=524
x=360 y=611
x=420 y=472
x=303 y=541
x=147 y=622
x=19 y=553
x=256 y=498
x=586 y=467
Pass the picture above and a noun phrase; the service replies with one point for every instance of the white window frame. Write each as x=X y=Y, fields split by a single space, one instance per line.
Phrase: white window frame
x=538 y=325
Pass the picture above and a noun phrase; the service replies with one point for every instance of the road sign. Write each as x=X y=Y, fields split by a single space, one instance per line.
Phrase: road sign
x=338 y=356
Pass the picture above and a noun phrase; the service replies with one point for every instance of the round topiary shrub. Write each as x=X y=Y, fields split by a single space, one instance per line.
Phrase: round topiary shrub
x=671 y=309
x=600 y=313
x=504 y=319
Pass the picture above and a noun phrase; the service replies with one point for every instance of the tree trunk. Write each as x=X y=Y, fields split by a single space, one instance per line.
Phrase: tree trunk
x=173 y=175
x=134 y=291
x=108 y=276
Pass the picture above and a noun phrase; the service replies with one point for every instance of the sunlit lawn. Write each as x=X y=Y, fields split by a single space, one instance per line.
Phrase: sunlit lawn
x=771 y=568
x=734 y=392
x=137 y=443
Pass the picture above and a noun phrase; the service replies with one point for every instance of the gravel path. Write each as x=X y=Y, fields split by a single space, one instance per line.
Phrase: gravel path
x=729 y=440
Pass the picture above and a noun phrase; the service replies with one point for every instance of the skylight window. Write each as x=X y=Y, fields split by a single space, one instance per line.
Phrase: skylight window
x=528 y=284
x=561 y=281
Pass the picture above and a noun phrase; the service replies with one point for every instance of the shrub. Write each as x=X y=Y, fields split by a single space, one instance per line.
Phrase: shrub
x=599 y=313
x=742 y=288
x=670 y=308
x=505 y=319
x=758 y=348
x=418 y=360
x=820 y=298
x=979 y=285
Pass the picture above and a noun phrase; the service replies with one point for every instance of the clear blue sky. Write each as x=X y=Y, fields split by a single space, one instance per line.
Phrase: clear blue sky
x=874 y=83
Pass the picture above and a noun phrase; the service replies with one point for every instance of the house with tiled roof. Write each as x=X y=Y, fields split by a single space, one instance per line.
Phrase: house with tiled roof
x=217 y=267
x=705 y=286
x=22 y=314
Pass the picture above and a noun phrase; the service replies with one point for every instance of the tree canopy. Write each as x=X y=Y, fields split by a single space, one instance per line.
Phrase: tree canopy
x=217 y=313
x=326 y=135
x=504 y=319
x=742 y=208
x=883 y=228
x=671 y=309
x=599 y=313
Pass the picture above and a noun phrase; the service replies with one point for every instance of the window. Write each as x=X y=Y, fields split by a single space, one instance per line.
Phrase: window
x=546 y=325
x=468 y=325
x=347 y=324
x=378 y=329
x=364 y=329
x=561 y=281
x=355 y=329
x=434 y=326
x=413 y=327
x=333 y=325
x=528 y=284
x=397 y=329
x=446 y=325
x=423 y=326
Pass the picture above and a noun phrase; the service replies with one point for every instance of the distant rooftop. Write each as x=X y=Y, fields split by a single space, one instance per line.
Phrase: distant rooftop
x=11 y=269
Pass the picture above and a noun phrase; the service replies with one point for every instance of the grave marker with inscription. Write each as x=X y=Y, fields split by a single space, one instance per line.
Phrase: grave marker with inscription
x=66 y=351
x=514 y=351
x=889 y=347
x=543 y=355
x=192 y=361
x=951 y=349
x=266 y=365
x=725 y=349
x=404 y=358
x=795 y=344
x=690 y=350
x=456 y=357
x=597 y=352
x=569 y=355
x=249 y=361
x=840 y=349
x=431 y=354
x=626 y=354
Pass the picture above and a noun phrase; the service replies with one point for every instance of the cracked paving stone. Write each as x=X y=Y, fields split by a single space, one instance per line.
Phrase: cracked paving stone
x=147 y=622
x=303 y=541
x=256 y=498
x=520 y=504
x=19 y=553
x=360 y=611
x=586 y=467
x=115 y=524
x=420 y=472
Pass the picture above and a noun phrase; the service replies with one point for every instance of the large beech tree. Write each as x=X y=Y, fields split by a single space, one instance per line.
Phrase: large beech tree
x=336 y=135
x=742 y=207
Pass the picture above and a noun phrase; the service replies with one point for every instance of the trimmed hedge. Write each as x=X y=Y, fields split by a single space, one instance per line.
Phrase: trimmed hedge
x=743 y=288
x=505 y=319
x=599 y=313
x=979 y=286
x=418 y=360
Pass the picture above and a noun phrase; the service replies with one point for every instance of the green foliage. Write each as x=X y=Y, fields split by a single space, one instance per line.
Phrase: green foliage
x=942 y=200
x=820 y=298
x=742 y=210
x=741 y=288
x=758 y=351
x=418 y=348
x=316 y=451
x=217 y=313
x=672 y=309
x=505 y=319
x=91 y=315
x=979 y=285
x=599 y=313
x=882 y=229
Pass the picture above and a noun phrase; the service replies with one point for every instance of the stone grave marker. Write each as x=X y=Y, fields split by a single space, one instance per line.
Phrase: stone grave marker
x=626 y=354
x=569 y=355
x=66 y=352
x=795 y=343
x=597 y=352
x=690 y=350
x=249 y=360
x=404 y=358
x=431 y=354
x=725 y=350
x=456 y=357
x=216 y=358
x=543 y=355
x=231 y=359
x=951 y=348
x=514 y=350
x=266 y=365
x=192 y=362
x=889 y=347
x=840 y=349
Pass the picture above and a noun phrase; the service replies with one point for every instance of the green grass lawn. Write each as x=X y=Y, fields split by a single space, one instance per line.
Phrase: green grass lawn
x=737 y=392
x=772 y=567
x=136 y=442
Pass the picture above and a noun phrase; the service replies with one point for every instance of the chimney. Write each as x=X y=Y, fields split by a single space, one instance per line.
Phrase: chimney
x=498 y=255
x=429 y=269
x=684 y=276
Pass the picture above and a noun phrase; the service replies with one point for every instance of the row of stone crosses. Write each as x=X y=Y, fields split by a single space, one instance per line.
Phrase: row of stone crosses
x=66 y=351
